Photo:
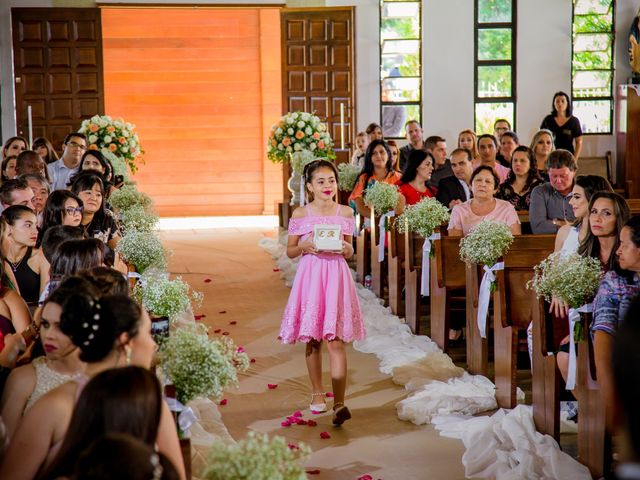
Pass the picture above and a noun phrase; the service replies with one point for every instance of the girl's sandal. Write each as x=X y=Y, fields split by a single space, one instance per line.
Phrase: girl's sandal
x=317 y=407
x=341 y=413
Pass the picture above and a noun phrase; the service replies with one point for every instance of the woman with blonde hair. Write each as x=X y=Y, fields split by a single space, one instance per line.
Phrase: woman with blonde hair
x=469 y=140
x=541 y=147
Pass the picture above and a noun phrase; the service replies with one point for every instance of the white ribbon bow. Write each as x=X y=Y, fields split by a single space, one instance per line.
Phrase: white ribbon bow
x=426 y=262
x=484 y=295
x=382 y=234
x=186 y=417
x=574 y=317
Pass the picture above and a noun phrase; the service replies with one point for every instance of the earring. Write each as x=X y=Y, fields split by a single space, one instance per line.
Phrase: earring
x=127 y=354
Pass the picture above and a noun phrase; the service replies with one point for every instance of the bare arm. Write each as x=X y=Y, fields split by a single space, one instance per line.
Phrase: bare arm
x=168 y=442
x=561 y=236
x=19 y=387
x=516 y=228
x=578 y=141
x=45 y=271
x=455 y=232
x=20 y=316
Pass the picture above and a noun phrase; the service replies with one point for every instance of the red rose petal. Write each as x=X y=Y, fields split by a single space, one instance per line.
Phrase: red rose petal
x=233 y=323
x=285 y=424
x=325 y=435
x=217 y=330
x=207 y=280
x=301 y=421
x=272 y=386
x=198 y=317
x=222 y=311
x=313 y=472
x=312 y=423
x=297 y=413
x=223 y=401
x=292 y=446
x=365 y=477
x=329 y=394
x=276 y=269
x=225 y=333
x=253 y=360
x=240 y=349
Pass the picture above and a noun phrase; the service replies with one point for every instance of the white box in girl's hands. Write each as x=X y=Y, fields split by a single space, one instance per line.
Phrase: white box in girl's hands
x=327 y=238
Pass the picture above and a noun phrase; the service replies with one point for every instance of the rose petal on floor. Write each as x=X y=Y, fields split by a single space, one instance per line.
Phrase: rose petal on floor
x=253 y=360
x=297 y=413
x=272 y=386
x=292 y=446
x=365 y=477
x=312 y=423
x=329 y=394
x=325 y=435
x=207 y=280
x=223 y=401
x=217 y=330
x=225 y=333
x=285 y=424
x=313 y=472
x=222 y=311
x=233 y=323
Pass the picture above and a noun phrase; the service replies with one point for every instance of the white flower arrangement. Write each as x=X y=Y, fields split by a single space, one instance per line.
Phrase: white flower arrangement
x=487 y=242
x=143 y=250
x=118 y=164
x=197 y=366
x=113 y=135
x=296 y=132
x=423 y=217
x=163 y=297
x=301 y=159
x=571 y=278
x=382 y=197
x=256 y=458
x=347 y=175
x=129 y=196
x=138 y=218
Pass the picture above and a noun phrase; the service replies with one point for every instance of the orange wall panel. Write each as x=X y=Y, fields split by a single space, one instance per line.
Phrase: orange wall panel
x=202 y=88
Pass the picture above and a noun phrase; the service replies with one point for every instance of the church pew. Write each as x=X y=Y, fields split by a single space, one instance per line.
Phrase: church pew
x=363 y=250
x=447 y=283
x=594 y=444
x=412 y=273
x=513 y=310
x=378 y=269
x=395 y=262
x=185 y=443
x=477 y=347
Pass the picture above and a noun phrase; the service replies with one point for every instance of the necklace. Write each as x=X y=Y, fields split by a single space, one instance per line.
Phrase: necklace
x=16 y=265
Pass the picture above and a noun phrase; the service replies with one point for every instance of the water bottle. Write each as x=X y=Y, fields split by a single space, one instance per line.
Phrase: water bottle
x=367 y=282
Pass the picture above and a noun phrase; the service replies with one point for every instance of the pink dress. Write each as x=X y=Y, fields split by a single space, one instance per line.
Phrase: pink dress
x=323 y=304
x=463 y=218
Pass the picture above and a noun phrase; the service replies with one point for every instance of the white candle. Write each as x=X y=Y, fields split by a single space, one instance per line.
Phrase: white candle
x=29 y=119
x=342 y=126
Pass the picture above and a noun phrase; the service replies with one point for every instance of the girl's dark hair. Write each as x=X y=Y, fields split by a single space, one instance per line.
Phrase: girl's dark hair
x=554 y=112
x=311 y=167
x=634 y=225
x=54 y=212
x=106 y=280
x=532 y=176
x=496 y=179
x=592 y=184
x=590 y=245
x=16 y=212
x=119 y=455
x=108 y=170
x=85 y=181
x=512 y=135
x=371 y=127
x=416 y=157
x=120 y=400
x=368 y=168
x=117 y=314
x=73 y=256
x=52 y=156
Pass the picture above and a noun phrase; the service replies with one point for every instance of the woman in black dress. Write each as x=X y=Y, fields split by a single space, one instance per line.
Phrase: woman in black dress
x=566 y=128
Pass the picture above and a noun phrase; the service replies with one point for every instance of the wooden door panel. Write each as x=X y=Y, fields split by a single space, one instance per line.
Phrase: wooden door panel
x=58 y=69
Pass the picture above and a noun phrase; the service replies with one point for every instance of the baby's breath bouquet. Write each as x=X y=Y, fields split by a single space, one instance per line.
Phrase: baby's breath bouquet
x=236 y=354
x=486 y=243
x=256 y=458
x=143 y=250
x=347 y=175
x=382 y=197
x=197 y=366
x=571 y=278
x=163 y=297
x=129 y=196
x=137 y=218
x=118 y=164
x=423 y=217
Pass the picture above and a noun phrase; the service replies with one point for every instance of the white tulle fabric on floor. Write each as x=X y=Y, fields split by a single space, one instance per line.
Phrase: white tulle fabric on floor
x=506 y=446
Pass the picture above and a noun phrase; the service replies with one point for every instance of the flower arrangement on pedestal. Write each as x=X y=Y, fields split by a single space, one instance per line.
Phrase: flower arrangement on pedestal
x=298 y=131
x=113 y=136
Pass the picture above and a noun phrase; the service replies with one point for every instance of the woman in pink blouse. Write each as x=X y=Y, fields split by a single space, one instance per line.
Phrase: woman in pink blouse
x=483 y=205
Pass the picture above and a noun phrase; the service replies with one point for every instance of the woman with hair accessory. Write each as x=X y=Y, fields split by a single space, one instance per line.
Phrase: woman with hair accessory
x=109 y=332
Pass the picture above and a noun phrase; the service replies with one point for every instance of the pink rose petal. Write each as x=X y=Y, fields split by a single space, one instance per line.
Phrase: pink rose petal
x=313 y=472
x=329 y=394
x=312 y=423
x=233 y=323
x=223 y=401
x=272 y=386
x=285 y=424
x=301 y=421
x=365 y=477
x=240 y=350
x=325 y=435
x=297 y=413
x=207 y=280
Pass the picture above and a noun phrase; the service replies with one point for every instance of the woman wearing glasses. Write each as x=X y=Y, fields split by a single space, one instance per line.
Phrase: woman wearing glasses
x=62 y=208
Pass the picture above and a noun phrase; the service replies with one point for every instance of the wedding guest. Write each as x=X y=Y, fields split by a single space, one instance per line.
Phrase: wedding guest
x=40 y=188
x=565 y=128
x=549 y=205
x=16 y=192
x=483 y=205
x=362 y=141
x=395 y=155
x=377 y=168
x=500 y=126
x=468 y=139
x=522 y=179
x=93 y=160
x=9 y=168
x=541 y=148
x=118 y=455
x=488 y=148
x=30 y=162
x=415 y=139
x=127 y=341
x=97 y=220
x=442 y=167
x=55 y=236
x=26 y=384
x=60 y=171
x=374 y=131
x=508 y=143
x=44 y=148
x=14 y=146
x=413 y=184
x=28 y=265
x=457 y=189
x=63 y=207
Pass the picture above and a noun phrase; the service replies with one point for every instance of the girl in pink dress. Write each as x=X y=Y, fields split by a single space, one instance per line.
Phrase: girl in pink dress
x=323 y=304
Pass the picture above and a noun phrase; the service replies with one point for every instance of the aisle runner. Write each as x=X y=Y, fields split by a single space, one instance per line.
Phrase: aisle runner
x=446 y=395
